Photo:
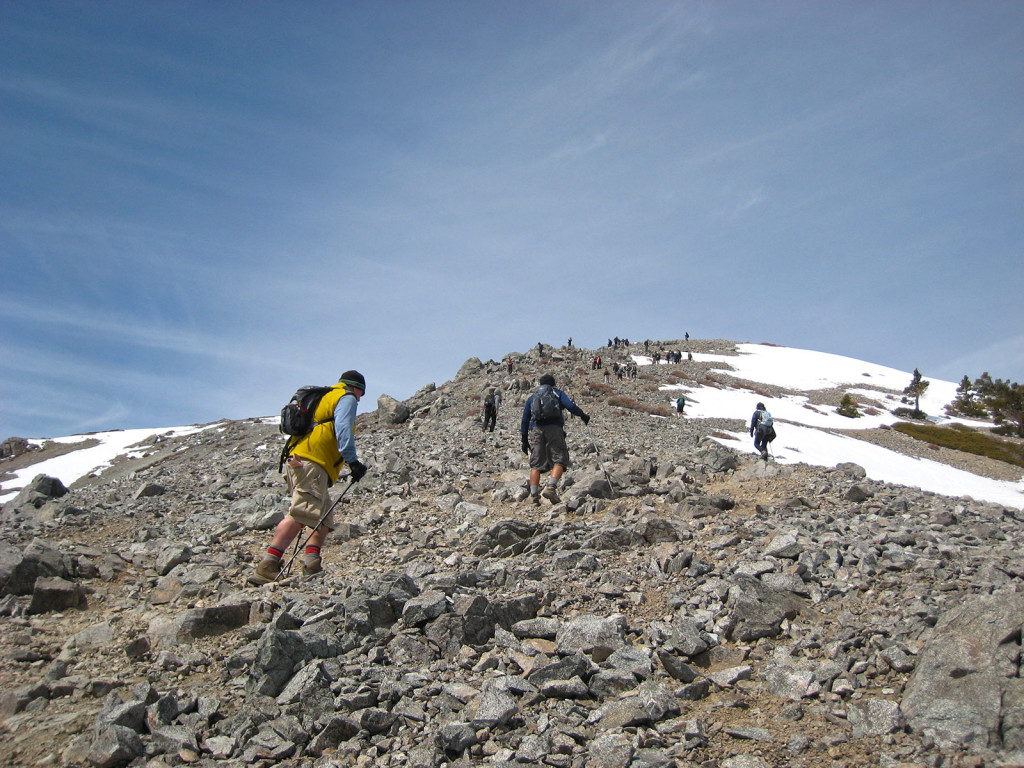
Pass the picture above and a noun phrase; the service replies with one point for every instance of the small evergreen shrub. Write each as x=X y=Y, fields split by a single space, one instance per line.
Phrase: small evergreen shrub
x=910 y=413
x=848 y=407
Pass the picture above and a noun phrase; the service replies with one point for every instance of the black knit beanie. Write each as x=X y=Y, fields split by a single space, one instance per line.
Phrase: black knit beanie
x=354 y=379
x=547 y=378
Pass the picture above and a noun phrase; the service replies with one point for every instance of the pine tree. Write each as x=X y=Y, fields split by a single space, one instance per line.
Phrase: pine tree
x=967 y=402
x=1005 y=401
x=915 y=389
x=848 y=407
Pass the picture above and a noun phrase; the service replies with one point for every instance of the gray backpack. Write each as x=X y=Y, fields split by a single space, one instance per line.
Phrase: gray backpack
x=546 y=407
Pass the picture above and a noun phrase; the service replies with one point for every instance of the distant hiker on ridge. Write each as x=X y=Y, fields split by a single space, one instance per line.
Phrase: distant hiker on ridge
x=543 y=434
x=762 y=430
x=492 y=399
x=313 y=465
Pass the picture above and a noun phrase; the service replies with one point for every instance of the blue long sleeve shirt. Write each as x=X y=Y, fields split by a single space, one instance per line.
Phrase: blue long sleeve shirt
x=344 y=427
x=567 y=405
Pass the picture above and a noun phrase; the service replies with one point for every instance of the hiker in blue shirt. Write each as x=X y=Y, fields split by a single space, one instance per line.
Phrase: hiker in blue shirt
x=762 y=430
x=543 y=436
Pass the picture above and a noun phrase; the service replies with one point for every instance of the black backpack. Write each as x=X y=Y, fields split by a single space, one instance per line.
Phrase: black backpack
x=546 y=407
x=297 y=416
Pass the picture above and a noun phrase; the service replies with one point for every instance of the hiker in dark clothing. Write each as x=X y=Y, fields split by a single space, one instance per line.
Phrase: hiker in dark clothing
x=762 y=430
x=492 y=399
x=680 y=404
x=543 y=436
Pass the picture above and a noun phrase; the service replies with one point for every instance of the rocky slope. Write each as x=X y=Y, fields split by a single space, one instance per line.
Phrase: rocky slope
x=686 y=604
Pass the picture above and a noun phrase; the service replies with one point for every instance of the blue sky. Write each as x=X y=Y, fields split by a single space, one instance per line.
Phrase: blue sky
x=206 y=205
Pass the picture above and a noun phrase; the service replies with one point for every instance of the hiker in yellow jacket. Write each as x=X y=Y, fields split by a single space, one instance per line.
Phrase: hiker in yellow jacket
x=312 y=467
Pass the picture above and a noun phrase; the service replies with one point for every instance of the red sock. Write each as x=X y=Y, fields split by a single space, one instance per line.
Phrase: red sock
x=274 y=552
x=311 y=550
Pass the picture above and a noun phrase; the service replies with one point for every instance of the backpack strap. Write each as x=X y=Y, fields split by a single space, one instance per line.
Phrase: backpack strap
x=285 y=451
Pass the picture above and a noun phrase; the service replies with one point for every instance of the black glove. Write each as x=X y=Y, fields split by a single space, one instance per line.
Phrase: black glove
x=358 y=469
x=526 y=445
x=586 y=419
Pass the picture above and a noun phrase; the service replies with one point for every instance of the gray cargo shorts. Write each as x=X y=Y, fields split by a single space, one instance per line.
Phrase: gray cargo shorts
x=547 y=447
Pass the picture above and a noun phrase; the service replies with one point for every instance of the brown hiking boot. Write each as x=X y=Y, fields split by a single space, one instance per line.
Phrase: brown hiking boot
x=311 y=566
x=535 y=498
x=266 y=571
x=550 y=494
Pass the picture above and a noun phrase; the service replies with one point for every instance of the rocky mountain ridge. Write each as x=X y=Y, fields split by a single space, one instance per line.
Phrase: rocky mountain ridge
x=685 y=604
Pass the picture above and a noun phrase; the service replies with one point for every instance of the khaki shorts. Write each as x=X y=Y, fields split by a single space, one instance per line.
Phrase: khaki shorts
x=547 y=447
x=308 y=483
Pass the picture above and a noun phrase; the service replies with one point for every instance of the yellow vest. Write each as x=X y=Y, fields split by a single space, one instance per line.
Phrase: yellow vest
x=321 y=445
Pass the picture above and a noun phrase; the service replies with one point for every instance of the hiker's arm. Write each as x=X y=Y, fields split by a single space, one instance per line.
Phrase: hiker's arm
x=569 y=405
x=344 y=428
x=524 y=425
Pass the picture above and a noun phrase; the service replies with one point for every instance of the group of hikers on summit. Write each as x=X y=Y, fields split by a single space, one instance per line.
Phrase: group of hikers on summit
x=315 y=453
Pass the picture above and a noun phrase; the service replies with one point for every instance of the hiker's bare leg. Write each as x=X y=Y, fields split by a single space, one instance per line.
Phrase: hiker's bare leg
x=286 y=530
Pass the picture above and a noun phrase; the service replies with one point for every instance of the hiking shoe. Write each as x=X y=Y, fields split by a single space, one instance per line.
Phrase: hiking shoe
x=764 y=455
x=266 y=571
x=311 y=566
x=550 y=494
x=535 y=498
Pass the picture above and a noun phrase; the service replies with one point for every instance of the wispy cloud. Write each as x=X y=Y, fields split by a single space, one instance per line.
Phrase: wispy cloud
x=225 y=202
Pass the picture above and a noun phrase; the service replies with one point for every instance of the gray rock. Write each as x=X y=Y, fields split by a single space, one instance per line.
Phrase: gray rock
x=170 y=556
x=757 y=611
x=611 y=750
x=955 y=694
x=454 y=738
x=874 y=717
x=495 y=705
x=651 y=704
x=19 y=569
x=114 y=746
x=148 y=490
x=596 y=636
x=791 y=683
x=55 y=594
x=610 y=683
x=425 y=607
x=309 y=688
x=859 y=492
x=576 y=665
x=277 y=654
x=785 y=545
x=40 y=490
x=390 y=411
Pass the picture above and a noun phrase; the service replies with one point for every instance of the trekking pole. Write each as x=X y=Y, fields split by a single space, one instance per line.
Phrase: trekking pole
x=600 y=460
x=288 y=567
